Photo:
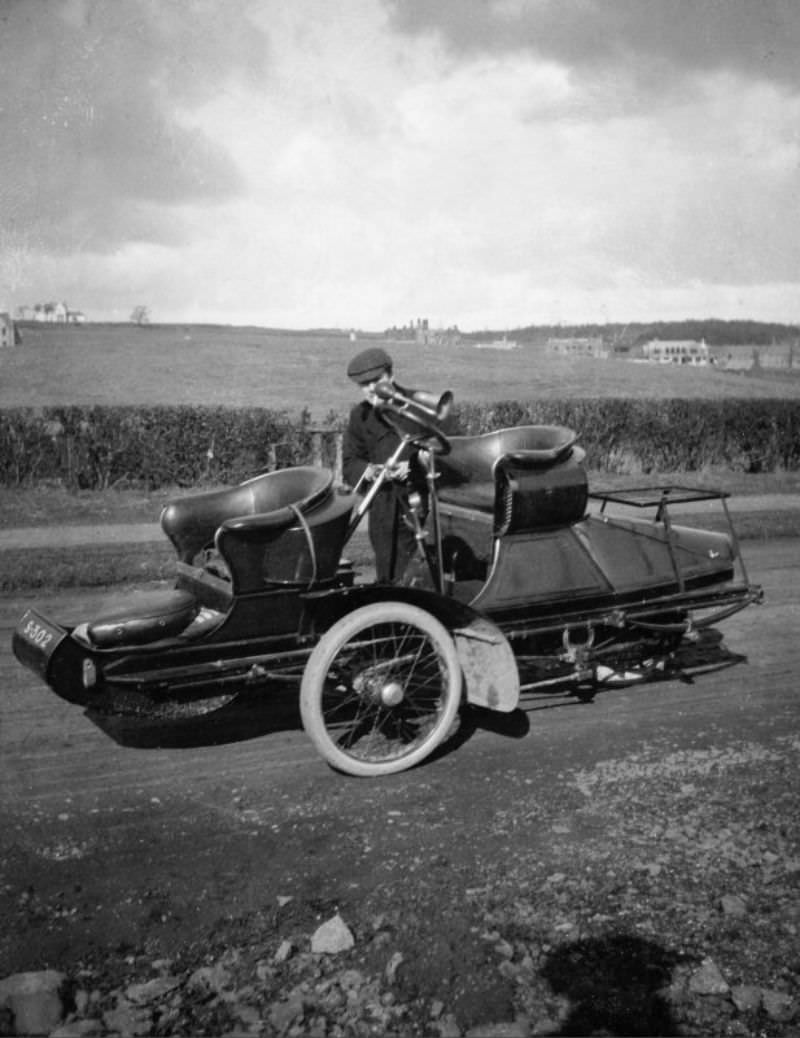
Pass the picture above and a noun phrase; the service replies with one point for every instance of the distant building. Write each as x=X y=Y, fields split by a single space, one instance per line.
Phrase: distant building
x=497 y=344
x=419 y=331
x=585 y=348
x=736 y=358
x=676 y=351
x=51 y=313
x=9 y=336
x=783 y=356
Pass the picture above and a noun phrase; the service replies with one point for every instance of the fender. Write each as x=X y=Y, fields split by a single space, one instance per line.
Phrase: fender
x=488 y=664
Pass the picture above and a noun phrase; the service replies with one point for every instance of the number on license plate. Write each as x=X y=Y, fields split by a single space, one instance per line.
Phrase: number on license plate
x=37 y=632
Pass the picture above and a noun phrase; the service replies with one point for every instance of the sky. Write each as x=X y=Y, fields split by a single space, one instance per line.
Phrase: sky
x=365 y=163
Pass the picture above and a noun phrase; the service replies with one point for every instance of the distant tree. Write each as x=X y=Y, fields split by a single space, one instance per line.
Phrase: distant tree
x=140 y=315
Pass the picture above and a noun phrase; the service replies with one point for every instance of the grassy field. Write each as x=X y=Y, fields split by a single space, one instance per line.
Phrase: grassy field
x=235 y=367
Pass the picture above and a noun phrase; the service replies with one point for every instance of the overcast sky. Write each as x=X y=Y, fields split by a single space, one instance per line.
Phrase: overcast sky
x=485 y=163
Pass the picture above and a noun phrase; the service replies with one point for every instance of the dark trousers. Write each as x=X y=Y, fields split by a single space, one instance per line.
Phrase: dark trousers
x=392 y=540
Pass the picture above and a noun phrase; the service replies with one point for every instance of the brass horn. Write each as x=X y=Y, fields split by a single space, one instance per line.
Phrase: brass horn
x=426 y=405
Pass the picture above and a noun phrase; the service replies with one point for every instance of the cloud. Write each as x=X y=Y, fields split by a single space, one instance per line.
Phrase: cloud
x=96 y=97
x=370 y=161
x=648 y=40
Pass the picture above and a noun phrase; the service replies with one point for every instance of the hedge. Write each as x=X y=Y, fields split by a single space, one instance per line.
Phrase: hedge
x=98 y=447
x=667 y=435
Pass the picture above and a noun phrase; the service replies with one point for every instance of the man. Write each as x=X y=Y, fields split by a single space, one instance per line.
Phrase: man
x=369 y=441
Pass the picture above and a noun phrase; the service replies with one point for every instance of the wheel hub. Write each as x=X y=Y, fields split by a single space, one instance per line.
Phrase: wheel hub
x=391 y=693
x=377 y=689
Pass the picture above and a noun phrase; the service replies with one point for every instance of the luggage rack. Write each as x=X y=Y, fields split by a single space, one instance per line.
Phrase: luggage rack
x=662 y=498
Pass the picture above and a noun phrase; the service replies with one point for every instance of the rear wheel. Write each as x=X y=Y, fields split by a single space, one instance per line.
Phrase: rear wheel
x=381 y=690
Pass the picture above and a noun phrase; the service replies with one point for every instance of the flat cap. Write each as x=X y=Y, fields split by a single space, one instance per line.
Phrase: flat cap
x=369 y=365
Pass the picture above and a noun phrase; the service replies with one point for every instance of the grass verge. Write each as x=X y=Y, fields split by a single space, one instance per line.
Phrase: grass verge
x=106 y=565
x=51 y=504
x=86 y=566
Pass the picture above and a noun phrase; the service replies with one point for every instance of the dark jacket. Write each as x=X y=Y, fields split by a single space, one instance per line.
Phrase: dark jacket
x=368 y=439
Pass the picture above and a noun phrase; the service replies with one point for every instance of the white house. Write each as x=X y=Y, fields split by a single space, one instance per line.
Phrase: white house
x=676 y=351
x=51 y=313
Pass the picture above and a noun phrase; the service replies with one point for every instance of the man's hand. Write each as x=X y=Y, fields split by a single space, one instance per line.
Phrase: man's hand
x=398 y=472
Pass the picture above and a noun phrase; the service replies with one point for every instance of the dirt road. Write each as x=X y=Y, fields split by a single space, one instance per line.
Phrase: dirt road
x=548 y=828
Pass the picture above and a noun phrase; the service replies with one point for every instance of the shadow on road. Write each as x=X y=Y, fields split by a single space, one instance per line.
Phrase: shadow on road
x=703 y=653
x=247 y=716
x=615 y=985
x=706 y=653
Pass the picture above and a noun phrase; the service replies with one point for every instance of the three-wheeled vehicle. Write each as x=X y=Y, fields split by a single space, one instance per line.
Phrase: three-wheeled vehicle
x=524 y=581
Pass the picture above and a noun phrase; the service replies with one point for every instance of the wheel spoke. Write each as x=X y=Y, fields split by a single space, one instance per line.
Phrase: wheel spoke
x=381 y=689
x=396 y=654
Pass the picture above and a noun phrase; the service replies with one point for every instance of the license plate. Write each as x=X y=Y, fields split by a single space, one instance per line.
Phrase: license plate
x=39 y=634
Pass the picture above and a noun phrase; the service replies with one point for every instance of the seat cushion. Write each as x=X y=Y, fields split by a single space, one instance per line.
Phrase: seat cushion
x=149 y=617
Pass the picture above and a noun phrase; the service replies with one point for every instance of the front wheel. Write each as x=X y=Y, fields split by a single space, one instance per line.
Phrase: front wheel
x=381 y=689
